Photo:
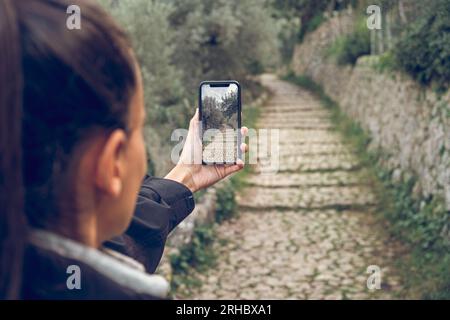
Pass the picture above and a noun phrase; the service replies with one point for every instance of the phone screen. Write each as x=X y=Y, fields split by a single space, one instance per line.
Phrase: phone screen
x=220 y=110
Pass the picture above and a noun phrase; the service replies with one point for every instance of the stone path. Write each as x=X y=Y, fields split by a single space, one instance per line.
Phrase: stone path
x=306 y=232
x=222 y=148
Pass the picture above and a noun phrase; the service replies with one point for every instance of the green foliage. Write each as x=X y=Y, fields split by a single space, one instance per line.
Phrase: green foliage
x=226 y=203
x=347 y=49
x=199 y=195
x=385 y=62
x=304 y=82
x=179 y=43
x=198 y=255
x=312 y=25
x=289 y=29
x=166 y=100
x=213 y=117
x=223 y=39
x=218 y=113
x=250 y=114
x=309 y=12
x=422 y=224
x=424 y=51
x=147 y=23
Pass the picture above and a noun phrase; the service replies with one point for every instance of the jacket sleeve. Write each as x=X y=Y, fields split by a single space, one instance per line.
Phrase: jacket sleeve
x=161 y=205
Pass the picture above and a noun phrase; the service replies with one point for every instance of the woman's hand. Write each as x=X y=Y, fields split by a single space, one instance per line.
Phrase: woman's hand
x=190 y=171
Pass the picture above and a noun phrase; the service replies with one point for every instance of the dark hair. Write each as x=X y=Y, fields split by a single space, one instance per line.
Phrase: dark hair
x=57 y=88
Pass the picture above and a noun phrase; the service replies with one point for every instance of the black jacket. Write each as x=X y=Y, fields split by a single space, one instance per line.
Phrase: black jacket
x=110 y=273
x=162 y=204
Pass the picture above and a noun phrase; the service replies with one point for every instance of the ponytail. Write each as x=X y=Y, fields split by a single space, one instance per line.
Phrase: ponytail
x=12 y=217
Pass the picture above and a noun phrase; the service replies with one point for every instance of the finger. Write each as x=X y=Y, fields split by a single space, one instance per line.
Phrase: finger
x=194 y=125
x=244 y=147
x=195 y=117
x=244 y=131
x=233 y=168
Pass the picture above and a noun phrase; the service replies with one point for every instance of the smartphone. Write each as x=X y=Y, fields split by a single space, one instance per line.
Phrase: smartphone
x=220 y=114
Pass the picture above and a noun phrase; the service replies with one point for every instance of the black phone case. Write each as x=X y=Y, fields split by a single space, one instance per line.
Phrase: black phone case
x=239 y=151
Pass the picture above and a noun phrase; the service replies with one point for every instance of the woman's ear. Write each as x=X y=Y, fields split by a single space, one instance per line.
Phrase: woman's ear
x=110 y=169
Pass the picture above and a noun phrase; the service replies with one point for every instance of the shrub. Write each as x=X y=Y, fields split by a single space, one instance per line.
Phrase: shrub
x=385 y=62
x=424 y=51
x=226 y=202
x=312 y=25
x=196 y=255
x=347 y=49
x=289 y=29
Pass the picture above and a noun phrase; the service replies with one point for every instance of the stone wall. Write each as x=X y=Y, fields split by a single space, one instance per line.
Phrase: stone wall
x=410 y=124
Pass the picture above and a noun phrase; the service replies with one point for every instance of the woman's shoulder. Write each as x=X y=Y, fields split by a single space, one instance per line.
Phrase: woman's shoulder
x=59 y=268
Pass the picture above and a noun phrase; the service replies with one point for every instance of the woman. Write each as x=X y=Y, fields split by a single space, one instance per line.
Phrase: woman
x=72 y=161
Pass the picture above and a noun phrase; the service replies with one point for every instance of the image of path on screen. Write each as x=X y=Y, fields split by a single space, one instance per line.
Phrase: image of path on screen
x=220 y=123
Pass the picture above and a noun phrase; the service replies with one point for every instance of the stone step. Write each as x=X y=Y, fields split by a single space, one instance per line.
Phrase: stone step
x=332 y=162
x=294 y=115
x=294 y=120
x=311 y=136
x=294 y=107
x=298 y=97
x=325 y=125
x=291 y=148
x=306 y=198
x=334 y=178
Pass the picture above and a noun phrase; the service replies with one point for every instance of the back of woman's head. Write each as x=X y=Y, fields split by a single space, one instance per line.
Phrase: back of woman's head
x=57 y=88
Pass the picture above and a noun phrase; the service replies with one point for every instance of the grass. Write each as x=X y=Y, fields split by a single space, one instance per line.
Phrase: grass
x=385 y=63
x=419 y=223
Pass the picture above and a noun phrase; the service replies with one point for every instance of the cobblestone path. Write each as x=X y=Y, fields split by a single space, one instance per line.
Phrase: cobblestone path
x=306 y=232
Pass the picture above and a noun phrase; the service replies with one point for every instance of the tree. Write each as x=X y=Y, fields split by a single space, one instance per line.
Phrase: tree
x=223 y=39
x=230 y=104
x=153 y=41
x=212 y=115
x=146 y=21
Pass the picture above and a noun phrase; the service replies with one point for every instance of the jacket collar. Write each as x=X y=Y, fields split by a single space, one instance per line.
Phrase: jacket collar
x=119 y=268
